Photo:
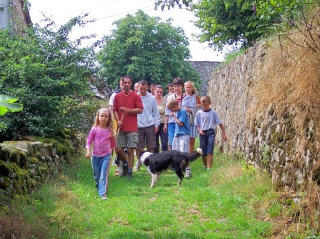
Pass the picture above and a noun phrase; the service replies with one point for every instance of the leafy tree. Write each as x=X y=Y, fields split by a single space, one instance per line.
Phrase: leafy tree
x=242 y=22
x=48 y=73
x=172 y=3
x=146 y=49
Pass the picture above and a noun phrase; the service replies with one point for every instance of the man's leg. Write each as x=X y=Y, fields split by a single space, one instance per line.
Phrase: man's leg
x=132 y=139
x=131 y=161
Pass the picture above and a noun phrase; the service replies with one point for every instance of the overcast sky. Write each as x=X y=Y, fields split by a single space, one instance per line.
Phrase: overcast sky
x=107 y=11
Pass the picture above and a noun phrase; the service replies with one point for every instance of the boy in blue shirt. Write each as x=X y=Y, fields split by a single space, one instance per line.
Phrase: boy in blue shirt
x=206 y=120
x=181 y=139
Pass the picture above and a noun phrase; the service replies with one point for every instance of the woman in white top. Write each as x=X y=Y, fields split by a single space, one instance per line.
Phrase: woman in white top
x=162 y=133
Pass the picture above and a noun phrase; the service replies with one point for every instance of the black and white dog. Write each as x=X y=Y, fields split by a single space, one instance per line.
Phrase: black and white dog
x=159 y=162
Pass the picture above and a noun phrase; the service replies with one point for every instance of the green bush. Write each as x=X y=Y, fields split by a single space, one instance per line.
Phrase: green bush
x=49 y=74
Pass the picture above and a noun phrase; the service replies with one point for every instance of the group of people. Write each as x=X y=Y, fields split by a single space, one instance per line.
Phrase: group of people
x=144 y=118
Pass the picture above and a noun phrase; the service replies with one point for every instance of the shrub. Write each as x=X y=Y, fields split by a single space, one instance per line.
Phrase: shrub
x=48 y=73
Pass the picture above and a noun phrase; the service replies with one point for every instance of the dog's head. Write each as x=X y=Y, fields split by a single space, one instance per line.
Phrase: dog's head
x=144 y=157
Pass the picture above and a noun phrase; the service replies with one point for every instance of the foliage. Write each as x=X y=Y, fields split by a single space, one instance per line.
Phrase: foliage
x=232 y=55
x=7 y=104
x=241 y=22
x=172 y=3
x=48 y=73
x=146 y=49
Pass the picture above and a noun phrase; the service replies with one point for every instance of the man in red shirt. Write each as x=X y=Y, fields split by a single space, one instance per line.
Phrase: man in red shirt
x=127 y=104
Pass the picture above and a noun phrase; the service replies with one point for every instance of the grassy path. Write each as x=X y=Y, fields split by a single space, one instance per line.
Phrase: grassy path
x=211 y=204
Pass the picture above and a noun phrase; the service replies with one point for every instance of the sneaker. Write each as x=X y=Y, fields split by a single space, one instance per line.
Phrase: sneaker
x=137 y=167
x=130 y=173
x=188 y=173
x=103 y=197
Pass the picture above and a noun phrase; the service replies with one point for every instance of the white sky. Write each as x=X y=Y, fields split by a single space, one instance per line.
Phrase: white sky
x=107 y=11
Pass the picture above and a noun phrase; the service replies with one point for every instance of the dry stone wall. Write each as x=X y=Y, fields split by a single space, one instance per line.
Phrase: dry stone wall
x=285 y=143
x=24 y=165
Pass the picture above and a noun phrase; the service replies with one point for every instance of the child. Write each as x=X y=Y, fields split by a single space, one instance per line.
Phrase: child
x=206 y=121
x=101 y=135
x=190 y=103
x=181 y=138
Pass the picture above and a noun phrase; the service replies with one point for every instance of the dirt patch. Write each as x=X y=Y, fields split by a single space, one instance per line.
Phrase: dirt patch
x=13 y=226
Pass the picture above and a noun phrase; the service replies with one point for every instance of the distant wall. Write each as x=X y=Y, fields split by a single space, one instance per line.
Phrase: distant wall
x=205 y=69
x=270 y=139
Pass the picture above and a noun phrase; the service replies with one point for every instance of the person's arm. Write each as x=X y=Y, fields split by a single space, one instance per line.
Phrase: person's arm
x=89 y=143
x=180 y=123
x=223 y=132
x=134 y=111
x=200 y=131
x=165 y=125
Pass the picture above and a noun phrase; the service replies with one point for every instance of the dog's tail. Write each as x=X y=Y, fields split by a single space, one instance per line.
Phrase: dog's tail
x=194 y=155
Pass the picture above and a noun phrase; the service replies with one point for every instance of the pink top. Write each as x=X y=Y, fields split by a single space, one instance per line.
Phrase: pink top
x=101 y=141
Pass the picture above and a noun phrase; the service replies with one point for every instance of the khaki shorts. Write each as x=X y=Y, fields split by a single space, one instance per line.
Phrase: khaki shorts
x=127 y=139
x=147 y=137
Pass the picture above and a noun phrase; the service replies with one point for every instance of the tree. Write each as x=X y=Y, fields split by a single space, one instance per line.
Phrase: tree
x=48 y=73
x=172 y=3
x=146 y=49
x=242 y=22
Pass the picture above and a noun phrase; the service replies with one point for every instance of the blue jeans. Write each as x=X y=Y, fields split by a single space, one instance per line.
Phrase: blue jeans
x=207 y=142
x=164 y=139
x=100 y=166
x=171 y=129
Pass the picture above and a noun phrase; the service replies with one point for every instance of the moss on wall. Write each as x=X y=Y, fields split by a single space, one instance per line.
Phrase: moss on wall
x=26 y=164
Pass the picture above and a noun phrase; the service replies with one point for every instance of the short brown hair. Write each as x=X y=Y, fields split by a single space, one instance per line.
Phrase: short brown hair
x=206 y=99
x=128 y=77
x=178 y=81
x=172 y=103
x=143 y=82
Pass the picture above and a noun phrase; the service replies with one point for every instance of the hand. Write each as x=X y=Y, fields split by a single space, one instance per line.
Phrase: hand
x=201 y=132
x=156 y=129
x=88 y=153
x=123 y=109
x=224 y=137
x=165 y=128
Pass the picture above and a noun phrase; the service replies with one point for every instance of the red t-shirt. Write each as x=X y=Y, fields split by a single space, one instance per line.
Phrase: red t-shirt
x=131 y=101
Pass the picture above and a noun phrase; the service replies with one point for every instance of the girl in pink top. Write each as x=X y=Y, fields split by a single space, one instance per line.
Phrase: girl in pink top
x=101 y=136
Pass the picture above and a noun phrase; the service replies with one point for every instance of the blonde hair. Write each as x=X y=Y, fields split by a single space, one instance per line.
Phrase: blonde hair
x=172 y=103
x=190 y=83
x=109 y=122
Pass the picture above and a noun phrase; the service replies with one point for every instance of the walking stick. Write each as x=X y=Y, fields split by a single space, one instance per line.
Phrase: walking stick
x=118 y=129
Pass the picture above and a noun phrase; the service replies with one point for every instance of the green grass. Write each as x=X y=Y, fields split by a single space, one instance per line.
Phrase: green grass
x=211 y=204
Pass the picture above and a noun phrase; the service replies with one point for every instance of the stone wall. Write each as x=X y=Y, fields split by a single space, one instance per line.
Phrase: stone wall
x=24 y=165
x=270 y=139
x=205 y=69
